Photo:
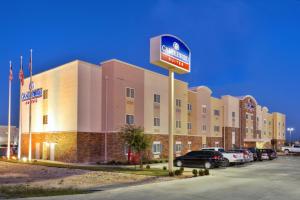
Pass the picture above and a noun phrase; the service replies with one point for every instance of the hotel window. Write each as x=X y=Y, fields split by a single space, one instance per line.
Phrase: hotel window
x=178 y=103
x=204 y=108
x=189 y=145
x=156 y=121
x=265 y=121
x=45 y=119
x=189 y=107
x=204 y=128
x=178 y=147
x=246 y=116
x=217 y=128
x=269 y=123
x=129 y=119
x=130 y=92
x=156 y=98
x=233 y=114
x=156 y=147
x=189 y=125
x=246 y=130
x=45 y=94
x=178 y=124
x=216 y=112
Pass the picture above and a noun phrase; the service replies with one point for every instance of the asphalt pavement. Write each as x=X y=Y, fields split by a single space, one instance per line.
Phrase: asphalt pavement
x=277 y=179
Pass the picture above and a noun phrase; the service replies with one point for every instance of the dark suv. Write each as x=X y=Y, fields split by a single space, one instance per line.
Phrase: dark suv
x=206 y=159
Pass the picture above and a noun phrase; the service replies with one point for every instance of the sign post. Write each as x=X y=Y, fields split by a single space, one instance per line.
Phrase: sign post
x=170 y=52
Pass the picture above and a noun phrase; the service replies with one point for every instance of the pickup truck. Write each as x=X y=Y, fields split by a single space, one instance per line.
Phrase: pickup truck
x=229 y=157
x=291 y=149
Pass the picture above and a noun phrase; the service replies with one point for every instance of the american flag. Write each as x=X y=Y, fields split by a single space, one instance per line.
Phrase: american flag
x=10 y=71
x=21 y=73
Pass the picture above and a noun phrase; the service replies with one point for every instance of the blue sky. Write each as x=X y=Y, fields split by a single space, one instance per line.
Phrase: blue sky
x=238 y=47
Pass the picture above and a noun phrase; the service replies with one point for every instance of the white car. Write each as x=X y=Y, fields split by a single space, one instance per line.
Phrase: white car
x=230 y=157
x=293 y=149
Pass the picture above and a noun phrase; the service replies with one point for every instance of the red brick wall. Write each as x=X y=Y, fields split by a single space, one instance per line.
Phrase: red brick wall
x=65 y=148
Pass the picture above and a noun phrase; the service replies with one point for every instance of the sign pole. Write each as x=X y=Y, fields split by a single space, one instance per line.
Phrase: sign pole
x=30 y=89
x=171 y=118
x=20 y=118
x=9 y=113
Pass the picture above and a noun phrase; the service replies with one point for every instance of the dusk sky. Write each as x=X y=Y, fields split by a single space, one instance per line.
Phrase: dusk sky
x=238 y=47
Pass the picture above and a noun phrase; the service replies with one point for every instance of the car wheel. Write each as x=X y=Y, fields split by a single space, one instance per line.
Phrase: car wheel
x=179 y=163
x=207 y=165
x=226 y=163
x=286 y=152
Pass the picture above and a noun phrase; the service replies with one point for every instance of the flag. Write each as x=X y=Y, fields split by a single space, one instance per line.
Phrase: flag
x=10 y=72
x=21 y=73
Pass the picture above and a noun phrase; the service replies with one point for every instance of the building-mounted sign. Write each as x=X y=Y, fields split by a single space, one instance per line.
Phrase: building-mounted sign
x=168 y=51
x=37 y=93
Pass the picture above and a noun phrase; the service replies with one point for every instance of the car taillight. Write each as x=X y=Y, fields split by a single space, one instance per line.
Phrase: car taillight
x=216 y=157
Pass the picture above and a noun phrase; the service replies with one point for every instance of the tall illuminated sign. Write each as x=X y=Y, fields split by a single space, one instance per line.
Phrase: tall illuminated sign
x=171 y=53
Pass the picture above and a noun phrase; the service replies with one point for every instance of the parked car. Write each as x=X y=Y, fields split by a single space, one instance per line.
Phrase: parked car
x=230 y=157
x=262 y=155
x=206 y=159
x=248 y=156
x=255 y=153
x=291 y=149
x=271 y=153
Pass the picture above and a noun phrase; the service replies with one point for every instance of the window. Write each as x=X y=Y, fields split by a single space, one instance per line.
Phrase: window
x=189 y=125
x=130 y=92
x=156 y=121
x=45 y=119
x=204 y=128
x=233 y=114
x=189 y=145
x=156 y=147
x=178 y=103
x=129 y=119
x=265 y=121
x=178 y=124
x=246 y=130
x=217 y=128
x=189 y=107
x=156 y=98
x=204 y=108
x=45 y=94
x=178 y=147
x=246 y=116
x=216 y=112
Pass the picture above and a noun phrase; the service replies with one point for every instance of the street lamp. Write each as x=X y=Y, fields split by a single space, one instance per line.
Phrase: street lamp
x=290 y=130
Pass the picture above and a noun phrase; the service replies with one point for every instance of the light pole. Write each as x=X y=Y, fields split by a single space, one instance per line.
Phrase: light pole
x=290 y=130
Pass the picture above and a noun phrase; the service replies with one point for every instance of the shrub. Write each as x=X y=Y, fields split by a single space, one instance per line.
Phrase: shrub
x=147 y=166
x=201 y=172
x=206 y=172
x=195 y=172
x=164 y=168
x=171 y=173
x=181 y=170
x=177 y=172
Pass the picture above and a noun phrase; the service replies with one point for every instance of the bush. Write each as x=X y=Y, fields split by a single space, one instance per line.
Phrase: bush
x=195 y=172
x=181 y=169
x=147 y=166
x=164 y=168
x=171 y=173
x=206 y=172
x=178 y=172
x=201 y=172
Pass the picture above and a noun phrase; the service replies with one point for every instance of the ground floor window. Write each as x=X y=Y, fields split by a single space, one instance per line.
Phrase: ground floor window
x=178 y=147
x=129 y=119
x=189 y=146
x=156 y=147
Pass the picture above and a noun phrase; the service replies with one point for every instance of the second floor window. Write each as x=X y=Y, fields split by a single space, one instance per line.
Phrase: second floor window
x=189 y=107
x=130 y=92
x=156 y=121
x=129 y=119
x=156 y=98
x=189 y=125
x=178 y=103
x=217 y=112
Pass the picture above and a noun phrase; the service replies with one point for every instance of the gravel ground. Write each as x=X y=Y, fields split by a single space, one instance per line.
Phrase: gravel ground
x=48 y=177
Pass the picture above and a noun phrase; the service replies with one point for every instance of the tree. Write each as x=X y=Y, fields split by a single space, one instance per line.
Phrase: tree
x=136 y=140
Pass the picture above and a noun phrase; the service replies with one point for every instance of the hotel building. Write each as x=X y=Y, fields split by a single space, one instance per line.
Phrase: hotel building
x=76 y=105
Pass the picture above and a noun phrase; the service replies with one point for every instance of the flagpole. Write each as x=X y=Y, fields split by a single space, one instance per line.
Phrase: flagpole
x=20 y=114
x=9 y=111
x=30 y=90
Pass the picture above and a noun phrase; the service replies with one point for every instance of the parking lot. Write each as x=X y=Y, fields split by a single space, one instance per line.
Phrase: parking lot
x=277 y=179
